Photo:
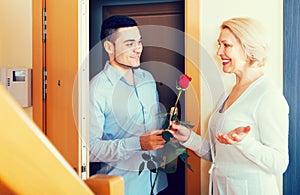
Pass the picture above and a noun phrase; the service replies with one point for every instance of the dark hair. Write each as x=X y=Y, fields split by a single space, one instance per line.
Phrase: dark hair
x=111 y=24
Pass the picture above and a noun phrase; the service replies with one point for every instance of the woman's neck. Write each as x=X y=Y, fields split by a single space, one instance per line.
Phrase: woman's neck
x=248 y=78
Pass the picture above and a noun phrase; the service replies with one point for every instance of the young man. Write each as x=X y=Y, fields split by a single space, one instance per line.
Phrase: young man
x=123 y=108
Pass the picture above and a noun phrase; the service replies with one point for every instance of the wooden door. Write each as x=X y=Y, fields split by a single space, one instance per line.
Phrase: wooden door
x=162 y=30
x=62 y=66
x=63 y=54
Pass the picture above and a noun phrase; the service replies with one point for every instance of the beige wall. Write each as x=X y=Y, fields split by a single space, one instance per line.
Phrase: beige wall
x=212 y=13
x=16 y=34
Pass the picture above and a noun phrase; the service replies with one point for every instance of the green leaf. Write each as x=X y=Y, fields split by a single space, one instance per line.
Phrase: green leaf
x=151 y=166
x=167 y=135
x=179 y=88
x=183 y=158
x=146 y=156
x=184 y=155
x=141 y=168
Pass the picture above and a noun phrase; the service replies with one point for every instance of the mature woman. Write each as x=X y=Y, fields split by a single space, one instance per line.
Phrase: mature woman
x=248 y=131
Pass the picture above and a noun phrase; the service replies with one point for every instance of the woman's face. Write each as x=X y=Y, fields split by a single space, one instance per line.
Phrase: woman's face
x=231 y=52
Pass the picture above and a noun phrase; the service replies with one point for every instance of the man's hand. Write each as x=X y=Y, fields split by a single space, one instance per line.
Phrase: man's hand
x=233 y=136
x=152 y=140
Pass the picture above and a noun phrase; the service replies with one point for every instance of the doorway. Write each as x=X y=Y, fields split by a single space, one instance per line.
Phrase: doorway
x=162 y=30
x=60 y=15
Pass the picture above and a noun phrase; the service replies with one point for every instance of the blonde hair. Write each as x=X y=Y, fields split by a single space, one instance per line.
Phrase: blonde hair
x=252 y=36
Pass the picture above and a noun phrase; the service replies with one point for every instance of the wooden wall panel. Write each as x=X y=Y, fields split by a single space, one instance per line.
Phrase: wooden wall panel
x=192 y=30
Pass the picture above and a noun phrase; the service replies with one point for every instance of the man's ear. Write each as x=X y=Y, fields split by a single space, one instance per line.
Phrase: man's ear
x=109 y=47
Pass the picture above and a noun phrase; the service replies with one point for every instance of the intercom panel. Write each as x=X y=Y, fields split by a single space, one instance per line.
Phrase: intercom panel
x=18 y=83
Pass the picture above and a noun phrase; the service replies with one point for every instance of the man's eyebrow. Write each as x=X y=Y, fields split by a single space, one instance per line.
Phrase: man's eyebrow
x=128 y=40
x=131 y=40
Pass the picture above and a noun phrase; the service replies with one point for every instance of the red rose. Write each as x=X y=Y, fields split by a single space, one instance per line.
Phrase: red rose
x=184 y=81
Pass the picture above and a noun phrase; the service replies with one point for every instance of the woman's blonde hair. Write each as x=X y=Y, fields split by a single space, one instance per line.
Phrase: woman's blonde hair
x=251 y=34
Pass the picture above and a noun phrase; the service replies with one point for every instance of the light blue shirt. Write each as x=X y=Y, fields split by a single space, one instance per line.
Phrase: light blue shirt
x=119 y=113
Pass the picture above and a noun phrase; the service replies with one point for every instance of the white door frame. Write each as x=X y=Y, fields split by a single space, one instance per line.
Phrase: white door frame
x=83 y=85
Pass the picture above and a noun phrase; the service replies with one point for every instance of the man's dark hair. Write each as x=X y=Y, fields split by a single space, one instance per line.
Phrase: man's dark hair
x=111 y=24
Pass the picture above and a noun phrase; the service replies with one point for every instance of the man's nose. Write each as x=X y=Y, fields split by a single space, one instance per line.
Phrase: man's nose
x=138 y=49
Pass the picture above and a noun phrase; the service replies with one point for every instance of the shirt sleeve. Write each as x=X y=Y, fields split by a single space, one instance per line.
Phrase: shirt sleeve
x=106 y=150
x=200 y=146
x=271 y=151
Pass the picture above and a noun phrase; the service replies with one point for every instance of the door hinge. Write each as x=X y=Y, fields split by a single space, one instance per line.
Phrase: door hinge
x=44 y=32
x=83 y=169
x=44 y=83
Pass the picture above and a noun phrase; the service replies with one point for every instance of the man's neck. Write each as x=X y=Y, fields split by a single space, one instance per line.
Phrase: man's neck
x=125 y=71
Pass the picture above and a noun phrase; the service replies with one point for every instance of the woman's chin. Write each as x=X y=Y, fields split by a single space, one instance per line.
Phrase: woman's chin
x=226 y=70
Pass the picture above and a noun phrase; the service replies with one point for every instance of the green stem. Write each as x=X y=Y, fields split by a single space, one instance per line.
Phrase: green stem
x=152 y=188
x=178 y=97
x=179 y=94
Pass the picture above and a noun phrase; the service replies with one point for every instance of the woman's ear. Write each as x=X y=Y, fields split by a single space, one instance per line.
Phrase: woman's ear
x=109 y=47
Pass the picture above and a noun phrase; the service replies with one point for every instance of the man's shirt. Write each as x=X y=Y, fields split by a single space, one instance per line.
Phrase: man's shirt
x=119 y=113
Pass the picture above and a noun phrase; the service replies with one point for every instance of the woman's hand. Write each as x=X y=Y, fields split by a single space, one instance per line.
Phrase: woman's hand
x=180 y=132
x=233 y=136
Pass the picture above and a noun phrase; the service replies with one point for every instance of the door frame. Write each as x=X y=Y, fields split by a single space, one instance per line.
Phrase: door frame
x=83 y=86
x=37 y=64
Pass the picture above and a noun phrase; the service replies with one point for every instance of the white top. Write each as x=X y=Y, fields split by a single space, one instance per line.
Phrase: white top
x=250 y=166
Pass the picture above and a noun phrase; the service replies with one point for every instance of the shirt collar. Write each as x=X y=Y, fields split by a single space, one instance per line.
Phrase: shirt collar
x=114 y=76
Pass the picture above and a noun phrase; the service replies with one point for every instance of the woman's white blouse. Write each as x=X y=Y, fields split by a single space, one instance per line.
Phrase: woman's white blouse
x=250 y=166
